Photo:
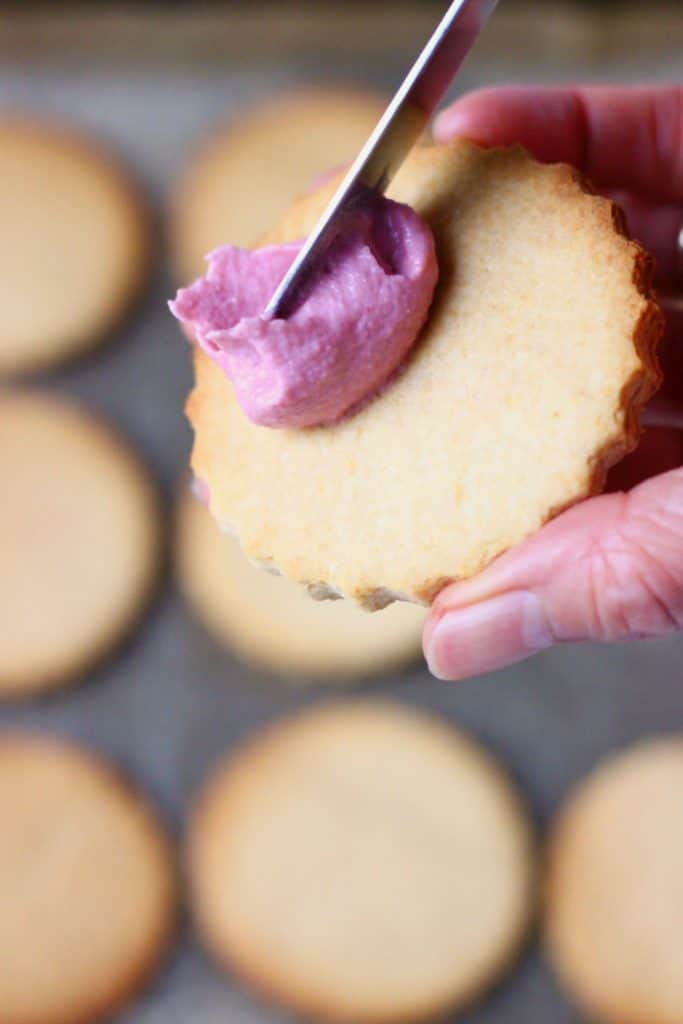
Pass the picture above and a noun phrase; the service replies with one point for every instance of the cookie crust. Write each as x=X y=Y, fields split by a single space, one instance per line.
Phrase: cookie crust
x=362 y=863
x=272 y=623
x=525 y=386
x=88 y=887
x=80 y=541
x=77 y=244
x=614 y=889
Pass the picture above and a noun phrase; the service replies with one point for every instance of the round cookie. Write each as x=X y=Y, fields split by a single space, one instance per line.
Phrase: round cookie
x=615 y=888
x=246 y=175
x=75 y=245
x=525 y=386
x=79 y=541
x=86 y=885
x=362 y=862
x=273 y=623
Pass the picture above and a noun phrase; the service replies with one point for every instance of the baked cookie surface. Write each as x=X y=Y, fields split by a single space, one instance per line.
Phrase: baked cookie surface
x=615 y=888
x=524 y=387
x=75 y=244
x=272 y=623
x=79 y=541
x=362 y=862
x=248 y=172
x=86 y=885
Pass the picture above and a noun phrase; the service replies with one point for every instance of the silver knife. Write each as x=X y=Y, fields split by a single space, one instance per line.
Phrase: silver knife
x=398 y=130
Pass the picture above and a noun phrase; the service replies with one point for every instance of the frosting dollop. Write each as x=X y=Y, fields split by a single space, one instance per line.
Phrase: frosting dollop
x=352 y=326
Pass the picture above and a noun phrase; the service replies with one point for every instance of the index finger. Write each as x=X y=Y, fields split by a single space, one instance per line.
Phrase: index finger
x=620 y=137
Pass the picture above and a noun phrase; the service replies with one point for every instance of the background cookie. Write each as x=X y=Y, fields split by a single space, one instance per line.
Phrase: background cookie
x=79 y=541
x=274 y=623
x=362 y=863
x=524 y=387
x=247 y=174
x=615 y=888
x=75 y=245
x=86 y=885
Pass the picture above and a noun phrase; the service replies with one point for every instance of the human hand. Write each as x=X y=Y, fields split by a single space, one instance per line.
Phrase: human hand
x=611 y=568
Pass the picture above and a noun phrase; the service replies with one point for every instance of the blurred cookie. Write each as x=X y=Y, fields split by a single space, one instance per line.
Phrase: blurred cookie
x=79 y=541
x=246 y=175
x=86 y=885
x=75 y=244
x=525 y=385
x=615 y=888
x=274 y=623
x=362 y=862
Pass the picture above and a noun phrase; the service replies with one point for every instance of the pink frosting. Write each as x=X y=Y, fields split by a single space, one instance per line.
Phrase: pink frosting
x=352 y=327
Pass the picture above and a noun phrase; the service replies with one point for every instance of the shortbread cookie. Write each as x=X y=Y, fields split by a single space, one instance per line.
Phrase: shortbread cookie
x=79 y=541
x=615 y=888
x=247 y=174
x=273 y=623
x=86 y=885
x=524 y=387
x=75 y=245
x=362 y=862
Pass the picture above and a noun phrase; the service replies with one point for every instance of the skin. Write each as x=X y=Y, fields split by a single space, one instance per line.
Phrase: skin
x=611 y=568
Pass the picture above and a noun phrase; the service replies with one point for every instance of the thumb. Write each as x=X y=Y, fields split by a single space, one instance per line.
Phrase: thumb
x=610 y=568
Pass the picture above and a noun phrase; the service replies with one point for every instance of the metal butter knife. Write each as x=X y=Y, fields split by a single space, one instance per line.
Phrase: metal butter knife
x=398 y=130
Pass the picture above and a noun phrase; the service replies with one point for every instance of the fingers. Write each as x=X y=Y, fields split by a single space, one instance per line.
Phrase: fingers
x=659 y=450
x=662 y=413
x=661 y=446
x=671 y=355
x=656 y=227
x=666 y=408
x=609 y=569
x=628 y=138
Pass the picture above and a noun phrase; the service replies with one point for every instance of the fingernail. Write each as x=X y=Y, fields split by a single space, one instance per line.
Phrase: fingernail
x=485 y=636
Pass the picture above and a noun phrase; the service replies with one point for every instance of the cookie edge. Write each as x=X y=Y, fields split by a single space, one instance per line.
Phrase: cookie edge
x=122 y=180
x=240 y=761
x=561 y=835
x=114 y=775
x=647 y=331
x=16 y=690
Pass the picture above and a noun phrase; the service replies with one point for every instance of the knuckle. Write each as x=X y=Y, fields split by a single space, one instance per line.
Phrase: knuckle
x=636 y=573
x=638 y=597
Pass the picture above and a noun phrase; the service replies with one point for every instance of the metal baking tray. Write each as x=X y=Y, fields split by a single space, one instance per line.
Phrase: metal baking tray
x=152 y=83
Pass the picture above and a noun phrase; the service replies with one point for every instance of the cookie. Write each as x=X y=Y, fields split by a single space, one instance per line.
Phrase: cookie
x=273 y=623
x=79 y=541
x=362 y=862
x=615 y=888
x=75 y=245
x=86 y=885
x=525 y=385
x=246 y=175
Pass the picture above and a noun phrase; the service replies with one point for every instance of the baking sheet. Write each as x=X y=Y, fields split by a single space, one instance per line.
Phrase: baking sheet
x=173 y=701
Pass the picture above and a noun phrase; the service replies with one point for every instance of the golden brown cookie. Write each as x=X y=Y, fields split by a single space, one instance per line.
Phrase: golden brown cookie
x=75 y=244
x=246 y=175
x=362 y=862
x=273 y=623
x=79 y=541
x=86 y=885
x=615 y=888
x=524 y=387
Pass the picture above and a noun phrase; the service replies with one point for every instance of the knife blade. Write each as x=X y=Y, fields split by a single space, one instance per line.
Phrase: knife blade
x=396 y=133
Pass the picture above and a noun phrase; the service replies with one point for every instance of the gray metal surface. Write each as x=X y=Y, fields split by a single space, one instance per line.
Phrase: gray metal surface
x=171 y=702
